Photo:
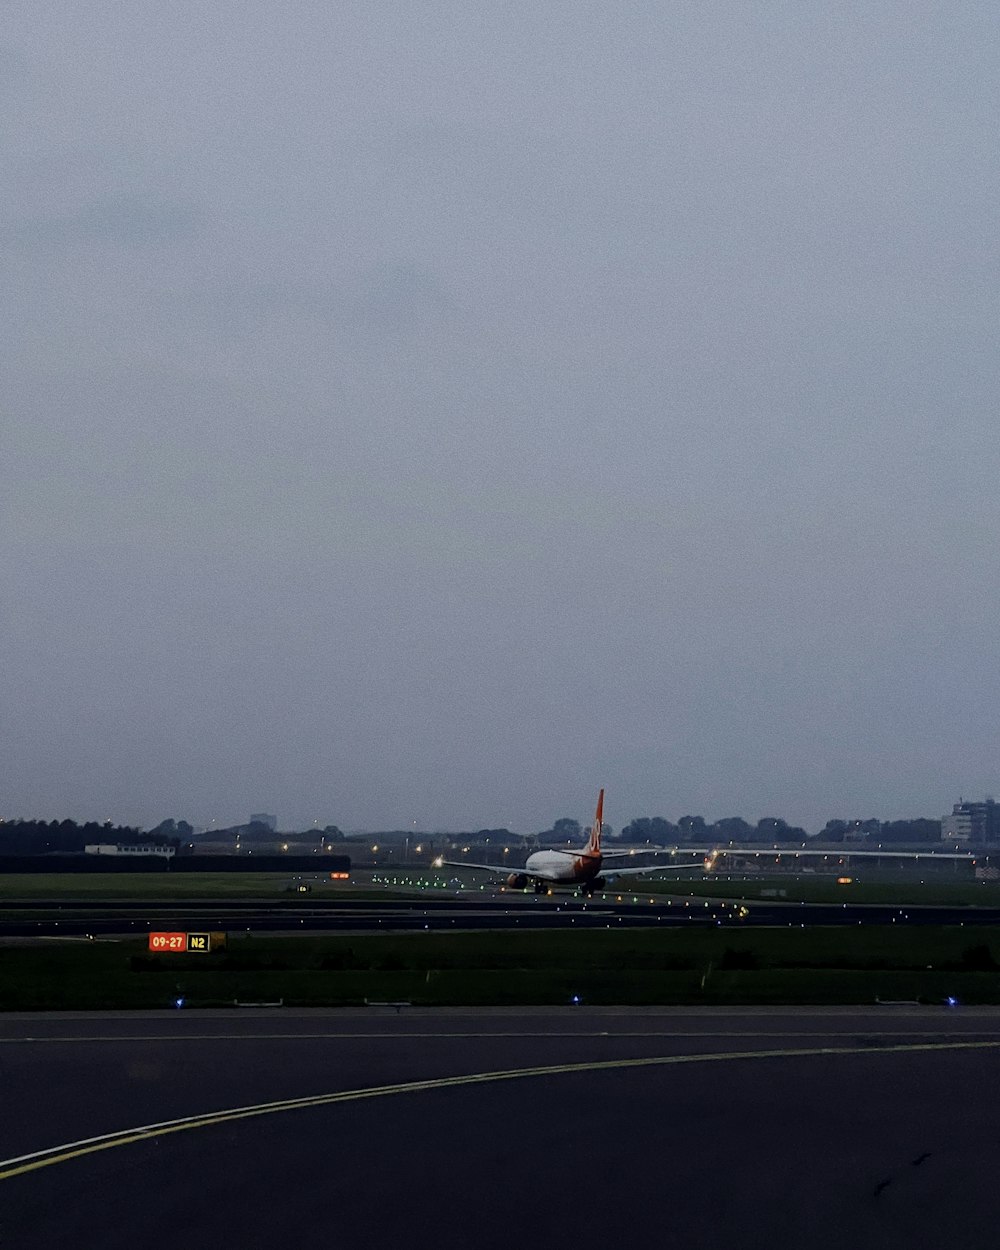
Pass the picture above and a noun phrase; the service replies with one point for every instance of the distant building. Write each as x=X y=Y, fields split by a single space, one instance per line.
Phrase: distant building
x=862 y=830
x=264 y=818
x=114 y=848
x=977 y=823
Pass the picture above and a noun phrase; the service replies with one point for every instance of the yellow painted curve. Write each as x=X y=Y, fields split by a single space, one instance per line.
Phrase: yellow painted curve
x=10 y=1168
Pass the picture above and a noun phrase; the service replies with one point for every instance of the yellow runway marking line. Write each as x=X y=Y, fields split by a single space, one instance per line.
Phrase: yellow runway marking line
x=21 y=1164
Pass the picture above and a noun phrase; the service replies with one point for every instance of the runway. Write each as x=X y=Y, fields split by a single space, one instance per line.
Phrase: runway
x=758 y=1128
x=69 y=918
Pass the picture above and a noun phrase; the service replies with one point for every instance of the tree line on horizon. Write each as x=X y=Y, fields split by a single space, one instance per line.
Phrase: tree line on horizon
x=771 y=829
x=66 y=837
x=658 y=831
x=40 y=837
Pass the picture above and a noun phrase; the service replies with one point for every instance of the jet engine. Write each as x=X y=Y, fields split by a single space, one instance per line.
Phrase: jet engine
x=598 y=883
x=517 y=881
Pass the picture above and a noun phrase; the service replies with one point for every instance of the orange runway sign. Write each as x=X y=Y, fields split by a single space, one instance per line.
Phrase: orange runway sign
x=186 y=943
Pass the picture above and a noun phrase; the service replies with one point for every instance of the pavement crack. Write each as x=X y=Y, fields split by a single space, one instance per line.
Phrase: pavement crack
x=887 y=1181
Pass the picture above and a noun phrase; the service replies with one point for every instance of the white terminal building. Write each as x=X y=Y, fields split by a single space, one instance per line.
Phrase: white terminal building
x=976 y=823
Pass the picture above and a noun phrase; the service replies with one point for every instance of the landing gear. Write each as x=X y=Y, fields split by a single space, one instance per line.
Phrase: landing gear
x=541 y=887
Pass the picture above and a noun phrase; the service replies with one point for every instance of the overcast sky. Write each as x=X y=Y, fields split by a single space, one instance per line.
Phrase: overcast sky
x=427 y=413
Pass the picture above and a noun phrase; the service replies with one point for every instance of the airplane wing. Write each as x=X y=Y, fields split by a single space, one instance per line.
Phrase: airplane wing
x=505 y=869
x=845 y=852
x=612 y=871
x=672 y=852
x=606 y=855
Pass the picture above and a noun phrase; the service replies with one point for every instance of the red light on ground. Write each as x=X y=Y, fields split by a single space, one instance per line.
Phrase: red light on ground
x=160 y=942
x=340 y=876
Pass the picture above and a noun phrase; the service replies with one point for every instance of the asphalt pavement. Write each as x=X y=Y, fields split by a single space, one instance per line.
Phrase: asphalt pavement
x=76 y=918
x=809 y=1128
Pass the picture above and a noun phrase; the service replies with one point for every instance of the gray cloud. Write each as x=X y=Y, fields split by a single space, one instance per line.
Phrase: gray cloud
x=124 y=221
x=434 y=417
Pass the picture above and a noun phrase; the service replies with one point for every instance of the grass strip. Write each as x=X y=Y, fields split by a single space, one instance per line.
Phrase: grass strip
x=712 y=966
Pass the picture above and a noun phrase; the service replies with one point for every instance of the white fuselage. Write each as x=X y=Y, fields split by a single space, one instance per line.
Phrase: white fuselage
x=556 y=866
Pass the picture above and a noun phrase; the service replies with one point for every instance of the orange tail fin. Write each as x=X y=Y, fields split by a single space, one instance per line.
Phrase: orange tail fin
x=594 y=845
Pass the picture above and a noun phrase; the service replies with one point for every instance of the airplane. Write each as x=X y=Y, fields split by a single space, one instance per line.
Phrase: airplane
x=545 y=869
